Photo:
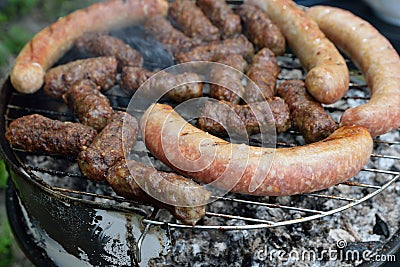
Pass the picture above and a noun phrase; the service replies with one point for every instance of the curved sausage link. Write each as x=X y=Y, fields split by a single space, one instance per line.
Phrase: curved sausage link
x=308 y=116
x=293 y=170
x=123 y=177
x=52 y=42
x=108 y=146
x=222 y=15
x=193 y=21
x=328 y=77
x=377 y=59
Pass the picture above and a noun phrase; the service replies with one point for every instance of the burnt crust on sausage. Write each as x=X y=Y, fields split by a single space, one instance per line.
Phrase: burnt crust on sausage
x=308 y=115
x=36 y=133
x=101 y=70
x=110 y=146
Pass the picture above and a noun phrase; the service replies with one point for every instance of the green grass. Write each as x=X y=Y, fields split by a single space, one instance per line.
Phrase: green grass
x=3 y=175
x=6 y=255
x=14 y=37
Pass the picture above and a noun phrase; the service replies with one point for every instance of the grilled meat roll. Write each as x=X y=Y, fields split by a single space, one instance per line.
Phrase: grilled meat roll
x=168 y=35
x=308 y=115
x=101 y=70
x=177 y=87
x=261 y=30
x=218 y=117
x=190 y=196
x=221 y=15
x=193 y=21
x=100 y=44
x=237 y=45
x=232 y=79
x=36 y=133
x=263 y=71
x=89 y=104
x=110 y=145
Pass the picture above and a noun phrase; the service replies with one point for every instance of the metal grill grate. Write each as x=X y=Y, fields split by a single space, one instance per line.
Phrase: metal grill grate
x=295 y=209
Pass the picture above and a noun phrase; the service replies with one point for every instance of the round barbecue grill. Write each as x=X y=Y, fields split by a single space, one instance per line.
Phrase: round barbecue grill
x=97 y=227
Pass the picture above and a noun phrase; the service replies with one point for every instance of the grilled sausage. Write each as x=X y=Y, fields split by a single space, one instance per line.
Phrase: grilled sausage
x=178 y=87
x=36 y=133
x=226 y=83
x=132 y=78
x=222 y=16
x=165 y=33
x=377 y=59
x=110 y=146
x=100 y=44
x=101 y=70
x=308 y=115
x=218 y=117
x=263 y=72
x=261 y=30
x=238 y=45
x=244 y=169
x=190 y=196
x=328 y=78
x=193 y=21
x=51 y=43
x=92 y=107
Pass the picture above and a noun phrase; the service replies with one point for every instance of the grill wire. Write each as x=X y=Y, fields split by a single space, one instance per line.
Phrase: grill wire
x=20 y=105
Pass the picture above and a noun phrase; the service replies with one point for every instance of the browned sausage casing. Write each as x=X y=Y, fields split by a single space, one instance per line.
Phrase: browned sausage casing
x=222 y=16
x=193 y=21
x=215 y=115
x=100 y=44
x=132 y=78
x=108 y=146
x=261 y=30
x=222 y=76
x=101 y=70
x=328 y=78
x=293 y=170
x=308 y=115
x=123 y=179
x=36 y=133
x=377 y=59
x=52 y=42
x=178 y=87
x=92 y=107
x=263 y=72
x=238 y=45
x=174 y=40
